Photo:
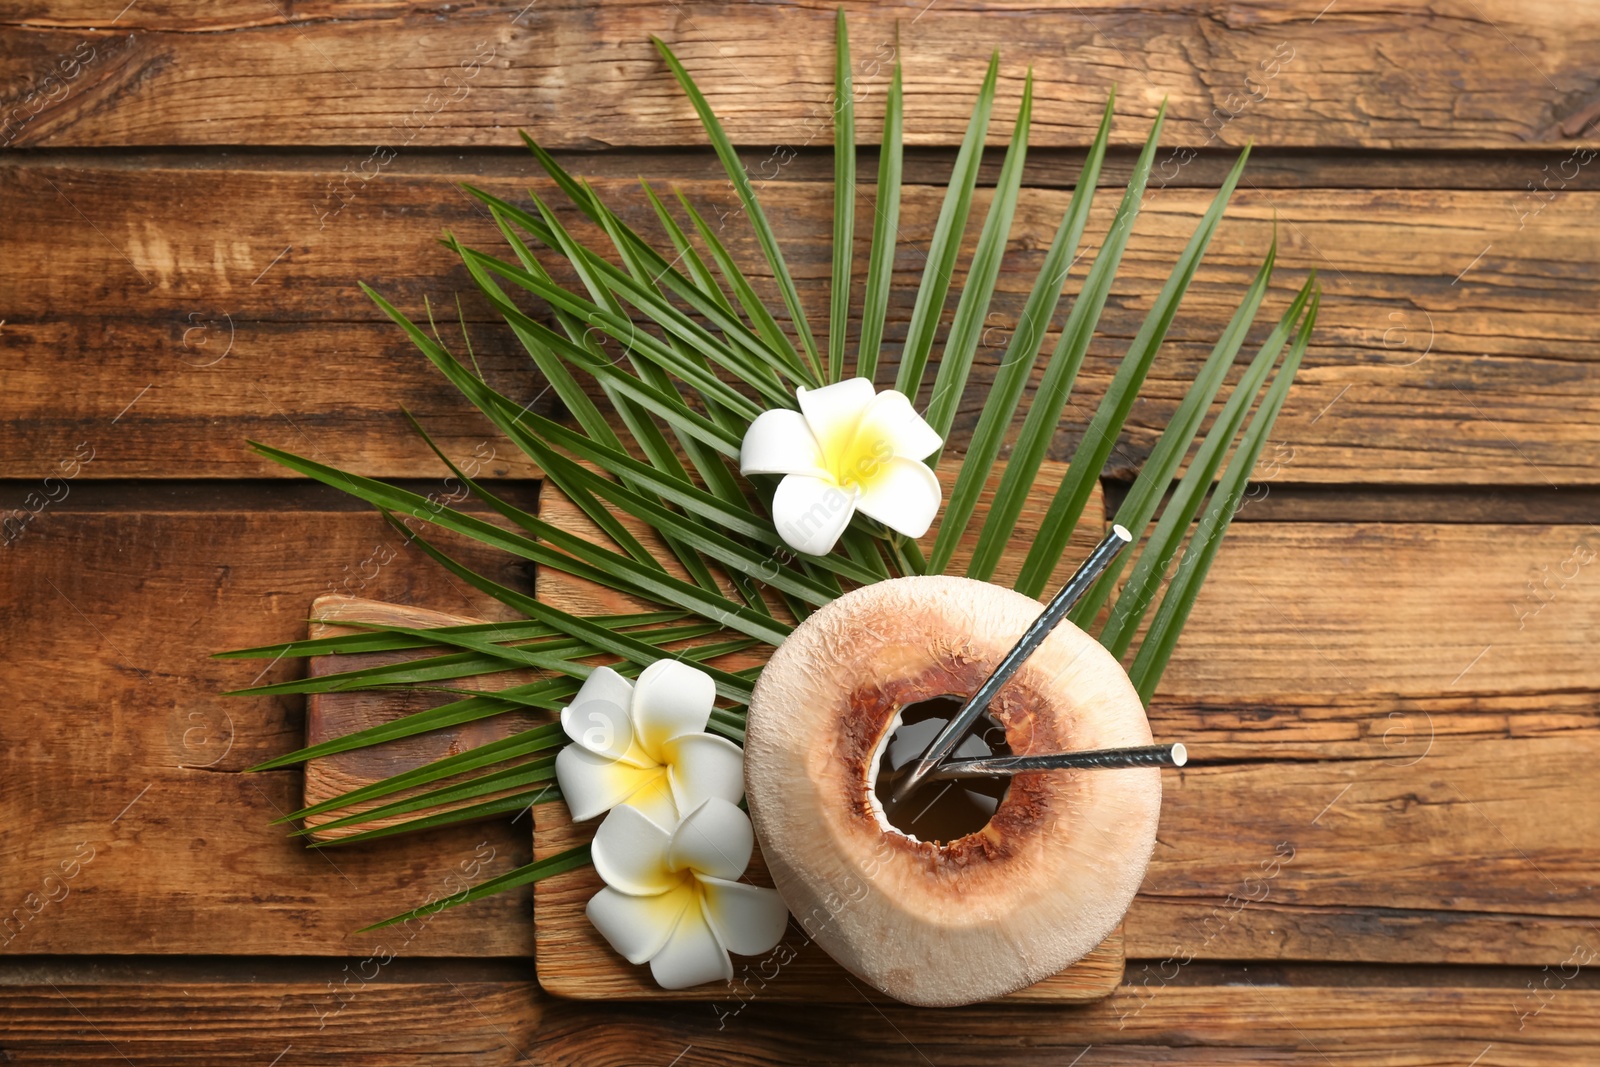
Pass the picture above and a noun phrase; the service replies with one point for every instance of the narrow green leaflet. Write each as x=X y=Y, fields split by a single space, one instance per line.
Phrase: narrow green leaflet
x=686 y=251
x=766 y=327
x=516 y=747
x=520 y=775
x=376 y=642
x=1163 y=544
x=570 y=860
x=428 y=669
x=973 y=307
x=1155 y=477
x=946 y=242
x=885 y=230
x=518 y=802
x=844 y=199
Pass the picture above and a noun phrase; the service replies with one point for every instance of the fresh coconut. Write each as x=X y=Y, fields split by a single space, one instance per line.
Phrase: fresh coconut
x=933 y=922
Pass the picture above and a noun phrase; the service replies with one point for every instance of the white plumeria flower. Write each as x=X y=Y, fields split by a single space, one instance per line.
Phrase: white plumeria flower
x=644 y=744
x=846 y=449
x=672 y=897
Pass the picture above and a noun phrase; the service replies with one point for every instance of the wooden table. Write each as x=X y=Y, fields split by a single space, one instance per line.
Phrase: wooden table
x=1399 y=635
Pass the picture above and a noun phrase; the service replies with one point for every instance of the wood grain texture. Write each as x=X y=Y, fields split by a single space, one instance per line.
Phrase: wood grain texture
x=1453 y=347
x=1407 y=707
x=127 y=751
x=1495 y=74
x=317 y=1020
x=574 y=961
x=1238 y=1018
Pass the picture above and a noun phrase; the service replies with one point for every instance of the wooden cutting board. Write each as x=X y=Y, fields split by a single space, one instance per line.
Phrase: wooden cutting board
x=572 y=959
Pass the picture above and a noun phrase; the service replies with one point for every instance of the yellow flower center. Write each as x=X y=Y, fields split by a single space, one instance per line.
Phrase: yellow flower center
x=857 y=455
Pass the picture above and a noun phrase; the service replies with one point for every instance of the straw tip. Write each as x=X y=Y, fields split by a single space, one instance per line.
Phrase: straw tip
x=1121 y=533
x=1180 y=755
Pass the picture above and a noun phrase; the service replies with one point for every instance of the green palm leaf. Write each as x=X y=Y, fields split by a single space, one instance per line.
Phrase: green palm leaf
x=844 y=199
x=663 y=369
x=885 y=229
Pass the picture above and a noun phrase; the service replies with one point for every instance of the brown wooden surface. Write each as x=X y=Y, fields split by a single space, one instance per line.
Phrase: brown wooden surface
x=178 y=274
x=1489 y=73
x=1438 y=344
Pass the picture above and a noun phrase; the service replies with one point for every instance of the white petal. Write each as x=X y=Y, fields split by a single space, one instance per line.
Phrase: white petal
x=904 y=495
x=630 y=853
x=701 y=766
x=834 y=411
x=810 y=513
x=715 y=838
x=597 y=718
x=693 y=954
x=592 y=785
x=606 y=684
x=892 y=418
x=780 y=442
x=639 y=927
x=748 y=919
x=672 y=698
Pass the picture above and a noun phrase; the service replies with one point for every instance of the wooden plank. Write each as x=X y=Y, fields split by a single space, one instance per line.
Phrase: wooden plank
x=131 y=701
x=1417 y=376
x=1376 y=850
x=1337 y=683
x=1498 y=75
x=574 y=961
x=1304 y=614
x=332 y=1015
x=1252 y=1021
x=1047 y=166
x=1385 y=615
x=1238 y=1019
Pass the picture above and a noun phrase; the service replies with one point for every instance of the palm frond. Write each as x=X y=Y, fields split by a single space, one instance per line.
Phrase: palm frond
x=662 y=367
x=1050 y=399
